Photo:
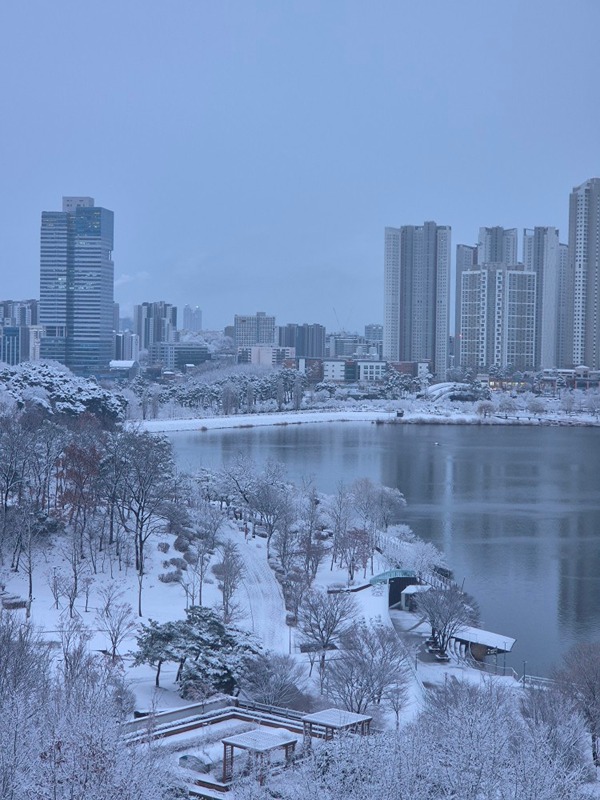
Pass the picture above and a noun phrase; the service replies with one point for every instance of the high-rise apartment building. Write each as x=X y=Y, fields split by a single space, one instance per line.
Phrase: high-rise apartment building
x=497 y=319
x=542 y=255
x=307 y=340
x=154 y=322
x=564 y=343
x=416 y=294
x=253 y=329
x=466 y=258
x=497 y=246
x=192 y=319
x=77 y=285
x=19 y=312
x=583 y=282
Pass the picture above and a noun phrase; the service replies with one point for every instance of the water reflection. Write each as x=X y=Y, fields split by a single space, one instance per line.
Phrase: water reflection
x=516 y=510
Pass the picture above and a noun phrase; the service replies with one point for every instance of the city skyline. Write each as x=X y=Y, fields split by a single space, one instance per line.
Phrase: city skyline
x=252 y=151
x=537 y=313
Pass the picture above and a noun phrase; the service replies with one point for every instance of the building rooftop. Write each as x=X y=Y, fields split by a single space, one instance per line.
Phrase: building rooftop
x=261 y=740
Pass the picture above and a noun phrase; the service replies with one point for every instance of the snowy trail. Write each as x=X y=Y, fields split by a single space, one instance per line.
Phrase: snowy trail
x=260 y=594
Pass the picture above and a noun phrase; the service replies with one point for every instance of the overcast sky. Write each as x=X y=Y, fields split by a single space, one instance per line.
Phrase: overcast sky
x=253 y=152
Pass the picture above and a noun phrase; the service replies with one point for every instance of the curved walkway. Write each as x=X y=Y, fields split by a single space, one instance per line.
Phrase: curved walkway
x=260 y=594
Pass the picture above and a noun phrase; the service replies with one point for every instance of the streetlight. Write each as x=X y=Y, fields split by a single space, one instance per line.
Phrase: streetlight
x=524 y=671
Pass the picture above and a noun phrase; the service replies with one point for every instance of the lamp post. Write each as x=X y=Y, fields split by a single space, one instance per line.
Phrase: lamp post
x=524 y=671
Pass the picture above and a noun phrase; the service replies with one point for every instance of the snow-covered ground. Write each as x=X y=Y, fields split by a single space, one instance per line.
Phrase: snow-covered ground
x=414 y=412
x=257 y=420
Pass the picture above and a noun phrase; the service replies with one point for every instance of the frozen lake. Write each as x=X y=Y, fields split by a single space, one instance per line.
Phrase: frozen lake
x=515 y=509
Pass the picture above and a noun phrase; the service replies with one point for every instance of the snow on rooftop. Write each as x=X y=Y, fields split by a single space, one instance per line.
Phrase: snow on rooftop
x=260 y=740
x=335 y=718
x=497 y=641
x=416 y=588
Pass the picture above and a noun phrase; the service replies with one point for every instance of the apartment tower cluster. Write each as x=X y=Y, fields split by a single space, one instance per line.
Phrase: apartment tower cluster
x=540 y=312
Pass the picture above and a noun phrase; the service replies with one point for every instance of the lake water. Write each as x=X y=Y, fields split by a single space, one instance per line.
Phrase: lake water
x=516 y=510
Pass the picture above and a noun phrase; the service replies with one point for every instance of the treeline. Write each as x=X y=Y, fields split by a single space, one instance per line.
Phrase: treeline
x=60 y=715
x=479 y=741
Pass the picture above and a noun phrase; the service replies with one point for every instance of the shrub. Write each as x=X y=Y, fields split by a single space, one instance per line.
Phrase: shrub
x=170 y=577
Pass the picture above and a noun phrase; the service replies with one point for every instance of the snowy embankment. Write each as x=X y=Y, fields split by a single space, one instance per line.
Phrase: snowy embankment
x=413 y=416
x=256 y=420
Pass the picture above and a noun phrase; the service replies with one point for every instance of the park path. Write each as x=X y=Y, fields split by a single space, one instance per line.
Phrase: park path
x=260 y=595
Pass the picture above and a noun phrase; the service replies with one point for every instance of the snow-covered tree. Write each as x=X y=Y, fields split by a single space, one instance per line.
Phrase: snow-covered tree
x=323 y=619
x=230 y=572
x=212 y=654
x=370 y=661
x=447 y=611
x=273 y=679
x=146 y=491
x=579 y=679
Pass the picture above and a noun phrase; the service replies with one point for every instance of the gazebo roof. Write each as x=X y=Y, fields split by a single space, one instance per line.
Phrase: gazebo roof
x=260 y=740
x=336 y=718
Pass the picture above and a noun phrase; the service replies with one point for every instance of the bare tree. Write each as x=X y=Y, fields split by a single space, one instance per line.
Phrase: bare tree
x=295 y=586
x=396 y=696
x=311 y=549
x=230 y=572
x=114 y=618
x=323 y=618
x=389 y=506
x=147 y=490
x=273 y=679
x=338 y=511
x=579 y=680
x=273 y=503
x=207 y=520
x=364 y=497
x=77 y=568
x=15 y=453
x=447 y=610
x=371 y=659
x=192 y=578
x=79 y=496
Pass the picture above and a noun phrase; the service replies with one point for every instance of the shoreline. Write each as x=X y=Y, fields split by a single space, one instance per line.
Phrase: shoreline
x=283 y=418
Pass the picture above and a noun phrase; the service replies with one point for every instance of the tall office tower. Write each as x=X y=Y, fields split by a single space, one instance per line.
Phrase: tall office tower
x=77 y=285
x=307 y=340
x=497 y=246
x=498 y=317
x=417 y=294
x=192 y=319
x=466 y=258
x=253 y=329
x=154 y=322
x=584 y=275
x=541 y=254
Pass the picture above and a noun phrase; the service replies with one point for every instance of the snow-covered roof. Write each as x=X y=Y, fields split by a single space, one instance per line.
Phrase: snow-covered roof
x=260 y=740
x=416 y=588
x=335 y=718
x=496 y=641
x=116 y=364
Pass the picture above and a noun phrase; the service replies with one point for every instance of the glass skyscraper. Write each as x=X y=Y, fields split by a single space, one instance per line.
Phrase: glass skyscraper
x=77 y=285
